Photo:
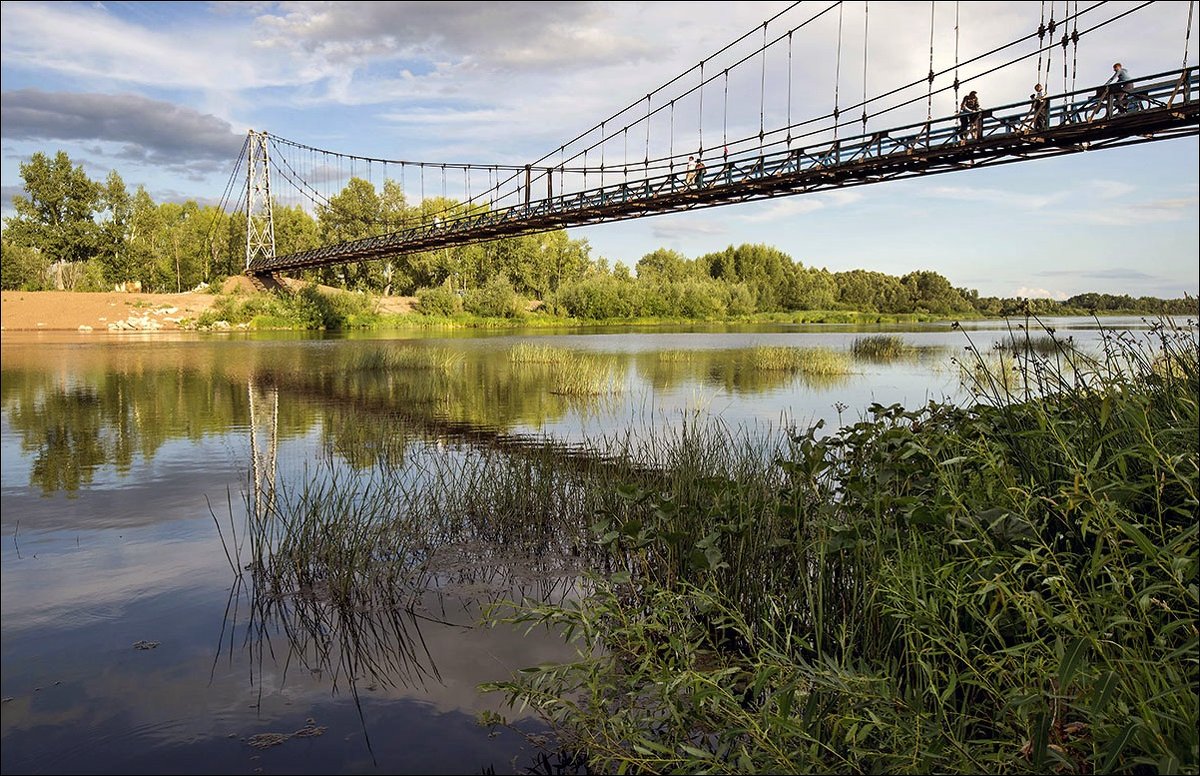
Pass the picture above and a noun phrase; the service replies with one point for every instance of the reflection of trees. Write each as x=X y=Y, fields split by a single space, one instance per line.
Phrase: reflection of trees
x=118 y=403
x=485 y=389
x=99 y=418
x=729 y=370
x=70 y=447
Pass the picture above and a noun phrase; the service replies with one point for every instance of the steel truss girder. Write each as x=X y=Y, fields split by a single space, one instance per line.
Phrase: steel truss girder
x=927 y=152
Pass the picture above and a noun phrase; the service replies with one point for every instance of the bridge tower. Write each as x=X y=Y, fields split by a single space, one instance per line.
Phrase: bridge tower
x=260 y=226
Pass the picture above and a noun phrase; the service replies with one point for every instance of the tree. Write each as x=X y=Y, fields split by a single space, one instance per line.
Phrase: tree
x=931 y=292
x=354 y=214
x=663 y=265
x=22 y=268
x=812 y=289
x=58 y=215
x=114 y=230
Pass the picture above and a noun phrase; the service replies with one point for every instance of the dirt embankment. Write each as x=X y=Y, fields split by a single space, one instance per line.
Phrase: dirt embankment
x=121 y=311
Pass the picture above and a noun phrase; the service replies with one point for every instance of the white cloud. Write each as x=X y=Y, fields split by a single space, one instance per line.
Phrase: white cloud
x=1040 y=293
x=1107 y=189
x=1138 y=213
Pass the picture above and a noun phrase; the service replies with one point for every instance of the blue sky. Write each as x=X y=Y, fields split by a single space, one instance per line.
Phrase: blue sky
x=165 y=92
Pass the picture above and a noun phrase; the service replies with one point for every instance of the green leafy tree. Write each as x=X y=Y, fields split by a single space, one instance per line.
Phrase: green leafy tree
x=812 y=289
x=872 y=292
x=931 y=292
x=766 y=270
x=354 y=214
x=114 y=230
x=295 y=230
x=22 y=268
x=663 y=265
x=58 y=214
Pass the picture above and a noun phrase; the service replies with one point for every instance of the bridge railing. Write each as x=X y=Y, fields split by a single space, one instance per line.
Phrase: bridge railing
x=950 y=136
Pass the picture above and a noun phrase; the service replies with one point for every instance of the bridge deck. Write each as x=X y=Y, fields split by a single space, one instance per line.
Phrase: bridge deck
x=1166 y=106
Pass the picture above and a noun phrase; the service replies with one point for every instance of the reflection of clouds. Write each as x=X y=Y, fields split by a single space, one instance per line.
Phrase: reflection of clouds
x=102 y=580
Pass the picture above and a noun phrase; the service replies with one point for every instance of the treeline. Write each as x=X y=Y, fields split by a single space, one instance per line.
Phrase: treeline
x=74 y=233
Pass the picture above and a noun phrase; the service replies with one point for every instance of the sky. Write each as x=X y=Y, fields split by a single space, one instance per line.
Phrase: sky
x=164 y=93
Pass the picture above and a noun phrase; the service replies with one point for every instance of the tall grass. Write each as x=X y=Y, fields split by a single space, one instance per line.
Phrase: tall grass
x=537 y=353
x=882 y=347
x=812 y=361
x=437 y=359
x=1009 y=585
x=571 y=373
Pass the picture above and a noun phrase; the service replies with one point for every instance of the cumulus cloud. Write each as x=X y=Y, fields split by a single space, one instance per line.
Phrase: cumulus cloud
x=1040 y=293
x=144 y=130
x=511 y=35
x=7 y=193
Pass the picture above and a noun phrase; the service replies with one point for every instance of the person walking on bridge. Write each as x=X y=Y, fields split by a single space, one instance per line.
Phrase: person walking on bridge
x=1039 y=109
x=969 y=119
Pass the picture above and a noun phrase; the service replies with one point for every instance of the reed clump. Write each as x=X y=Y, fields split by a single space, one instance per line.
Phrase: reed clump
x=882 y=347
x=537 y=353
x=810 y=361
x=1008 y=585
x=437 y=359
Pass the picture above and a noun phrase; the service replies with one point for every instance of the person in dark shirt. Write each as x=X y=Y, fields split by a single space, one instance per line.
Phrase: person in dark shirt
x=1039 y=109
x=968 y=116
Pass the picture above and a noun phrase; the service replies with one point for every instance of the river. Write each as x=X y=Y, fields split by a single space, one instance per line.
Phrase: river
x=132 y=641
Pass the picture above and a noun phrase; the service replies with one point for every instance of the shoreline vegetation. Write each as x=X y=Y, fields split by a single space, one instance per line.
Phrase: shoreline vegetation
x=1004 y=584
x=298 y=306
x=329 y=309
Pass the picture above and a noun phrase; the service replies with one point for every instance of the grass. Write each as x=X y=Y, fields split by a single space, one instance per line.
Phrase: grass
x=810 y=361
x=536 y=353
x=438 y=359
x=882 y=347
x=1005 y=586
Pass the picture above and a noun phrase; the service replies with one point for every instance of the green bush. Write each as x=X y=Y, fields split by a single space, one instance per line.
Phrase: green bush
x=495 y=299
x=597 y=298
x=23 y=268
x=438 y=301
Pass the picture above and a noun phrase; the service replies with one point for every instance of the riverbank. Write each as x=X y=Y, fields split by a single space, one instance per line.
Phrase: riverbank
x=120 y=311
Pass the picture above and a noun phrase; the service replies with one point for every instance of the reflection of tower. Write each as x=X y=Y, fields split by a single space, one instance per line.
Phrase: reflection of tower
x=262 y=463
x=260 y=226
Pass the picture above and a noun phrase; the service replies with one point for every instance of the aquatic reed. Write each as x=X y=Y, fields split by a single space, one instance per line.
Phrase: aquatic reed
x=882 y=347
x=811 y=361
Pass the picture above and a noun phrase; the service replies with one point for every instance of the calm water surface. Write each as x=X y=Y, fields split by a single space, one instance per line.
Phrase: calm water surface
x=128 y=463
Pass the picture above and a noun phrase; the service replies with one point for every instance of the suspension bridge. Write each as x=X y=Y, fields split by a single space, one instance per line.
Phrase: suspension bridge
x=665 y=152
